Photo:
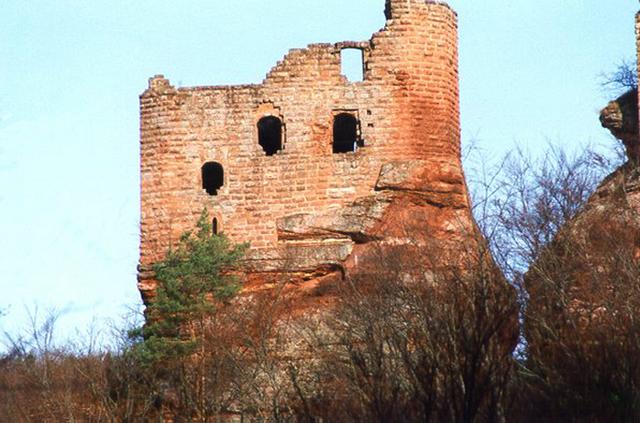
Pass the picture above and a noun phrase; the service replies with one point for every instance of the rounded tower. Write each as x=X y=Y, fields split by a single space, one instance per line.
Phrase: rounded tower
x=417 y=56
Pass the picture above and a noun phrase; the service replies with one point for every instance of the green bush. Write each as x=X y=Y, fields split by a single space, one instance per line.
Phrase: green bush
x=193 y=280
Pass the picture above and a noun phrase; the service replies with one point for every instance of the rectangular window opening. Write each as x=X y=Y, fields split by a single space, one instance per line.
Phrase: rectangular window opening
x=352 y=60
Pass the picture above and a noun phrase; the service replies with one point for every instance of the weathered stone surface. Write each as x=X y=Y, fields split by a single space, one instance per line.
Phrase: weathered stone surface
x=354 y=220
x=615 y=201
x=300 y=256
x=442 y=183
x=621 y=118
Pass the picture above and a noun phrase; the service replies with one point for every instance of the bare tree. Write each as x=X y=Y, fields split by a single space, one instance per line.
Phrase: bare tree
x=581 y=319
x=575 y=263
x=522 y=202
x=416 y=339
x=622 y=79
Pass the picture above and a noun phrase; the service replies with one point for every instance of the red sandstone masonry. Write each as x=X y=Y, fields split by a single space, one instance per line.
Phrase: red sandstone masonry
x=407 y=105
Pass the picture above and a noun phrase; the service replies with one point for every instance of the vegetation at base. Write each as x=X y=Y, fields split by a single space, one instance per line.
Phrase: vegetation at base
x=193 y=280
x=437 y=350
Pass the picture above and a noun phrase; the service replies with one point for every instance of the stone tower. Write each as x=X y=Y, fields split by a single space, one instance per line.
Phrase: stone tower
x=309 y=166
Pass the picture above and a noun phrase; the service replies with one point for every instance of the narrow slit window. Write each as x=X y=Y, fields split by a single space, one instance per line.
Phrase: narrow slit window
x=214 y=226
x=345 y=133
x=352 y=60
x=270 y=134
x=212 y=177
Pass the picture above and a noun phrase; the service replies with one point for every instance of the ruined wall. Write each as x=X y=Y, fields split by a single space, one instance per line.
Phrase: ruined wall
x=407 y=110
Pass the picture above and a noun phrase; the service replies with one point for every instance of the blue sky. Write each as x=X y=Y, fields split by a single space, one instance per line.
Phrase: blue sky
x=71 y=72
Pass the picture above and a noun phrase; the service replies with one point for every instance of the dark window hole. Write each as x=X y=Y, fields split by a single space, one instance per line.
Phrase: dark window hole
x=270 y=134
x=212 y=177
x=345 y=133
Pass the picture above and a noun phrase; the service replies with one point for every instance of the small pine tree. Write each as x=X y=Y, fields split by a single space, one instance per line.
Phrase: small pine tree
x=193 y=280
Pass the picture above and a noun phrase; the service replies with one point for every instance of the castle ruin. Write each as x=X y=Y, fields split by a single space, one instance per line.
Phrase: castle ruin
x=309 y=167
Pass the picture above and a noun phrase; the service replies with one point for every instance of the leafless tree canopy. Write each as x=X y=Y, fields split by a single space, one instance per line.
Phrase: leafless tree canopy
x=622 y=79
x=426 y=337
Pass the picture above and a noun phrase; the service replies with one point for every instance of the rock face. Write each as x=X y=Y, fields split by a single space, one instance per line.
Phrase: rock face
x=313 y=170
x=621 y=118
x=618 y=197
x=583 y=289
x=582 y=285
x=612 y=213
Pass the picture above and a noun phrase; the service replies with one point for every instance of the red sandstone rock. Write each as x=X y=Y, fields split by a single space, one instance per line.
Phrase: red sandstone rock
x=593 y=257
x=621 y=118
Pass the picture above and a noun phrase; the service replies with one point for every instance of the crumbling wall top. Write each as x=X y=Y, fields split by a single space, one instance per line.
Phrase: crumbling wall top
x=395 y=8
x=158 y=85
x=364 y=45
